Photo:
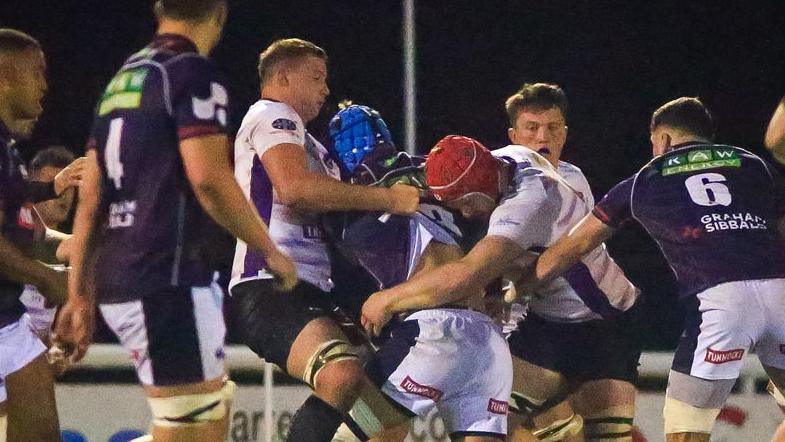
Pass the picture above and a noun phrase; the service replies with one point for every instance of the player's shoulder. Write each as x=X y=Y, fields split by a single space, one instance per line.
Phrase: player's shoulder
x=275 y=114
x=525 y=158
x=566 y=168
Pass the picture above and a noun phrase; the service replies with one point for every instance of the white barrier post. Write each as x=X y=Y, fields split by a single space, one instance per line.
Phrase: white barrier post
x=269 y=428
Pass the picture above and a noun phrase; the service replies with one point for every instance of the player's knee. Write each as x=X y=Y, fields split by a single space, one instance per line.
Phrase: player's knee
x=345 y=376
x=186 y=410
x=529 y=407
x=609 y=424
x=681 y=417
x=560 y=429
x=334 y=364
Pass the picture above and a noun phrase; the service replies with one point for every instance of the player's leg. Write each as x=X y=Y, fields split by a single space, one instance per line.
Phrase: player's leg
x=607 y=373
x=29 y=385
x=719 y=323
x=608 y=409
x=538 y=410
x=3 y=417
x=776 y=388
x=769 y=348
x=295 y=331
x=176 y=339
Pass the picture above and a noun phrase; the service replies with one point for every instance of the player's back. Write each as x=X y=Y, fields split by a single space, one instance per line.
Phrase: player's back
x=153 y=225
x=713 y=210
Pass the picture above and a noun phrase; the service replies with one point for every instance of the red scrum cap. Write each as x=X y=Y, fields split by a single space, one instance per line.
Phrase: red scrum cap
x=460 y=165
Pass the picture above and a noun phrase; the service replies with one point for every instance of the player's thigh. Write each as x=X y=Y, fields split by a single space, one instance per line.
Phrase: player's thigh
x=285 y=329
x=537 y=382
x=602 y=394
x=32 y=413
x=175 y=336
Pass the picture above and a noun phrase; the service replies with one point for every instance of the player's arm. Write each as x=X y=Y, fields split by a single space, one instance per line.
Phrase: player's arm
x=296 y=186
x=17 y=266
x=586 y=236
x=775 y=133
x=451 y=282
x=76 y=322
x=69 y=176
x=206 y=161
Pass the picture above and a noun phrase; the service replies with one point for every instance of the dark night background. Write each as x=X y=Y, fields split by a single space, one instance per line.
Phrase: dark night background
x=617 y=62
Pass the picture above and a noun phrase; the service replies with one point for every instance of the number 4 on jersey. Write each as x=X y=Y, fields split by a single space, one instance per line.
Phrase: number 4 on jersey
x=706 y=189
x=114 y=167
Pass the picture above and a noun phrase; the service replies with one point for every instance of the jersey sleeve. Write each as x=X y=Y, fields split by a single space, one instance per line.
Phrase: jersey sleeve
x=276 y=124
x=200 y=100
x=528 y=216
x=614 y=208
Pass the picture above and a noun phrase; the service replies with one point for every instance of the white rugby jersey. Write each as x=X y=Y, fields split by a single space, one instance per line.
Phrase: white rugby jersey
x=542 y=208
x=298 y=234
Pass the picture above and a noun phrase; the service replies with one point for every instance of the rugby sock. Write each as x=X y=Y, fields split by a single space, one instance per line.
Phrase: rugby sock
x=315 y=421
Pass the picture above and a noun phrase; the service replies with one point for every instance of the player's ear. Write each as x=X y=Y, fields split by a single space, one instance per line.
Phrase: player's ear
x=511 y=135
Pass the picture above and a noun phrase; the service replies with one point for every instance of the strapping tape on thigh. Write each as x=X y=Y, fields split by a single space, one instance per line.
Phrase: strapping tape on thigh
x=192 y=408
x=560 y=429
x=681 y=417
x=330 y=351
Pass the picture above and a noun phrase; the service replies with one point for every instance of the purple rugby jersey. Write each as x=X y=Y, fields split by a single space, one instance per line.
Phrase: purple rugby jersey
x=19 y=221
x=712 y=209
x=154 y=230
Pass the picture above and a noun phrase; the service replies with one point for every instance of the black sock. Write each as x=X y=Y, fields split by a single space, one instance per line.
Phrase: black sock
x=315 y=421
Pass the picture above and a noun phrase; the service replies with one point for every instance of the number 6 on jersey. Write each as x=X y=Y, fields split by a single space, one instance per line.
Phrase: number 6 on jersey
x=707 y=189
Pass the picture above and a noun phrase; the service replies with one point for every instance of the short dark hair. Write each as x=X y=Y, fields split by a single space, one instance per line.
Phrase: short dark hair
x=688 y=114
x=284 y=50
x=537 y=96
x=195 y=10
x=54 y=156
x=12 y=40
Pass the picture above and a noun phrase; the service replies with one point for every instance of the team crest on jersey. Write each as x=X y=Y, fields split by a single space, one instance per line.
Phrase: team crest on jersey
x=413 y=387
x=284 y=124
x=721 y=357
x=700 y=160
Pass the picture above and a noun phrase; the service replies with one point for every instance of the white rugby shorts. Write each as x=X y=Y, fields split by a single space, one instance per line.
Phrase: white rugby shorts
x=174 y=336
x=19 y=346
x=456 y=361
x=728 y=321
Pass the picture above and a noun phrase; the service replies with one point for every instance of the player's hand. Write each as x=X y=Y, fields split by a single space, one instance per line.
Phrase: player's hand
x=73 y=332
x=375 y=313
x=284 y=270
x=405 y=199
x=70 y=176
x=54 y=287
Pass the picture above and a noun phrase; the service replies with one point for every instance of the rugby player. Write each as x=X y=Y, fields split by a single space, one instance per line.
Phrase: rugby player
x=565 y=346
x=435 y=355
x=775 y=142
x=775 y=133
x=45 y=166
x=529 y=206
x=713 y=209
x=157 y=165
x=27 y=400
x=290 y=178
